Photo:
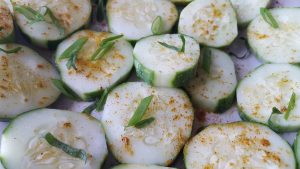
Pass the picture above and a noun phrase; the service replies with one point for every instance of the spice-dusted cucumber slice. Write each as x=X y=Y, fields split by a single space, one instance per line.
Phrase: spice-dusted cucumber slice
x=25 y=81
x=247 y=10
x=238 y=145
x=6 y=24
x=271 y=86
x=213 y=89
x=46 y=31
x=134 y=19
x=157 y=142
x=211 y=22
x=276 y=45
x=93 y=76
x=159 y=60
x=25 y=146
x=139 y=166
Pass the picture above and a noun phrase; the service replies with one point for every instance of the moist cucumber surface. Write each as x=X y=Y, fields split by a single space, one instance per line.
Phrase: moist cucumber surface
x=238 y=145
x=134 y=18
x=269 y=86
x=25 y=81
x=138 y=166
x=24 y=146
x=157 y=143
x=6 y=24
x=211 y=22
x=162 y=66
x=95 y=76
x=276 y=45
x=214 y=91
x=71 y=15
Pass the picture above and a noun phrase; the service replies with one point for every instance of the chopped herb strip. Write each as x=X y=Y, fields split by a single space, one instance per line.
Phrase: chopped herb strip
x=276 y=111
x=291 y=106
x=157 y=26
x=64 y=89
x=88 y=110
x=268 y=17
x=15 y=50
x=206 y=60
x=74 y=152
x=136 y=119
x=71 y=52
x=105 y=46
x=182 y=49
x=101 y=102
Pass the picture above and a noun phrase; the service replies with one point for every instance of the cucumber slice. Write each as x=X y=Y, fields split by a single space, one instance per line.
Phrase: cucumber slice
x=162 y=66
x=238 y=145
x=6 y=24
x=211 y=22
x=134 y=19
x=138 y=166
x=214 y=91
x=24 y=146
x=71 y=15
x=25 y=81
x=247 y=10
x=91 y=77
x=269 y=86
x=157 y=143
x=276 y=45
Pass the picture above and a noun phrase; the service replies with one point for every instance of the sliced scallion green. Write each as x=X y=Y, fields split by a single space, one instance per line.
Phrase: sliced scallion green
x=181 y=49
x=101 y=102
x=268 y=17
x=157 y=26
x=291 y=106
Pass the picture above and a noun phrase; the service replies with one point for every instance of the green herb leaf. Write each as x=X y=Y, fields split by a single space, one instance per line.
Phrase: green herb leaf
x=32 y=15
x=15 y=50
x=157 y=26
x=183 y=43
x=101 y=102
x=276 y=111
x=291 y=106
x=182 y=49
x=206 y=60
x=64 y=89
x=54 y=20
x=88 y=110
x=72 y=62
x=140 y=111
x=105 y=46
x=74 y=152
x=268 y=17
x=144 y=123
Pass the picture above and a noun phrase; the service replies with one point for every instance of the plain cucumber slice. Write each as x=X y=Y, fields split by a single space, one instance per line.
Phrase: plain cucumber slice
x=247 y=10
x=238 y=145
x=139 y=166
x=6 y=24
x=214 y=91
x=91 y=77
x=279 y=45
x=269 y=86
x=134 y=19
x=24 y=146
x=25 y=81
x=211 y=22
x=162 y=66
x=71 y=14
x=157 y=143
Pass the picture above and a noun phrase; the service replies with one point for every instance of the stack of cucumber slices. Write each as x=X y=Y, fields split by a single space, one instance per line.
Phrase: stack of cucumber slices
x=145 y=83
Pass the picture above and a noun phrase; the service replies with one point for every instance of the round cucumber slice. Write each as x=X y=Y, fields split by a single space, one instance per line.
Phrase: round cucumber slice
x=134 y=18
x=213 y=90
x=276 y=45
x=247 y=10
x=156 y=143
x=238 y=145
x=24 y=146
x=25 y=81
x=6 y=24
x=71 y=15
x=93 y=76
x=159 y=65
x=138 y=166
x=270 y=86
x=211 y=22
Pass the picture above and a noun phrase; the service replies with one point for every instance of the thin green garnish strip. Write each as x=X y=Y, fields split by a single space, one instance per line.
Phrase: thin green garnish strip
x=37 y=16
x=181 y=49
x=291 y=106
x=15 y=50
x=71 y=52
x=157 y=26
x=206 y=60
x=105 y=46
x=65 y=90
x=137 y=118
x=74 y=152
x=268 y=17
x=98 y=105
